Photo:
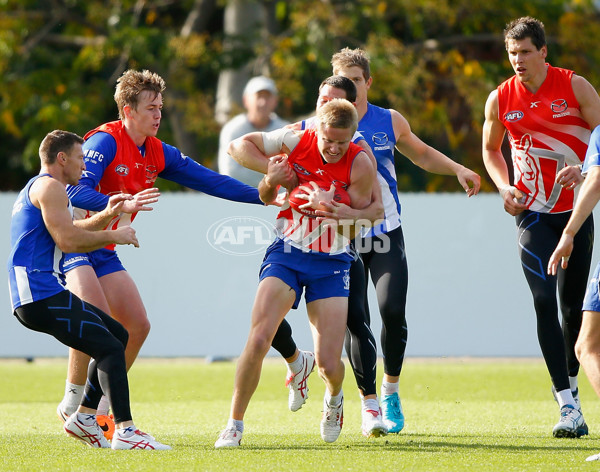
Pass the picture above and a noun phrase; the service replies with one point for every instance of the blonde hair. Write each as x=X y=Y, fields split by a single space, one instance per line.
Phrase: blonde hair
x=338 y=113
x=350 y=58
x=132 y=83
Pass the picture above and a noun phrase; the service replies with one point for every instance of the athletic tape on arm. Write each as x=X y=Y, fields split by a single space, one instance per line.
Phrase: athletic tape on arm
x=273 y=141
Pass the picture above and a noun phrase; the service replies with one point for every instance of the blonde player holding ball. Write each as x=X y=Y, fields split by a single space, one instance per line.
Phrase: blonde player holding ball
x=315 y=262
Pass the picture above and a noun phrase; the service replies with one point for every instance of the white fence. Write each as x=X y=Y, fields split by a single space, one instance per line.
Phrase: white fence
x=467 y=293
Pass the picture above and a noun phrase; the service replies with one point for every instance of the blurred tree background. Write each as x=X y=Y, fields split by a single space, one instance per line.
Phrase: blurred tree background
x=435 y=61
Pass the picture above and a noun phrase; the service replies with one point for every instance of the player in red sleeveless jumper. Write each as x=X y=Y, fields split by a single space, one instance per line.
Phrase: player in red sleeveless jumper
x=303 y=231
x=548 y=113
x=293 y=265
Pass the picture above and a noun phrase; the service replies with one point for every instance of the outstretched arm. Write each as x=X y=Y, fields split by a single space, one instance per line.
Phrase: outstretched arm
x=186 y=171
x=587 y=200
x=431 y=159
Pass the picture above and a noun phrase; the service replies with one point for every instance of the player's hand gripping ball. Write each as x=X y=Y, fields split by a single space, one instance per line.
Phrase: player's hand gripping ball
x=340 y=196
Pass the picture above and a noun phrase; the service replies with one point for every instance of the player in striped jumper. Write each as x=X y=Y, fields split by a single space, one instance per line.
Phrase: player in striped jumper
x=307 y=256
x=360 y=343
x=548 y=113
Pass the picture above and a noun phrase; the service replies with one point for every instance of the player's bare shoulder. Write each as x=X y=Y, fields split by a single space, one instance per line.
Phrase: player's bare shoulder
x=363 y=166
x=491 y=105
x=401 y=125
x=47 y=189
x=589 y=101
x=585 y=92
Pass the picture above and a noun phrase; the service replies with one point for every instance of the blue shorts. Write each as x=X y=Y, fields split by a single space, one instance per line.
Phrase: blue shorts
x=103 y=261
x=319 y=274
x=591 y=302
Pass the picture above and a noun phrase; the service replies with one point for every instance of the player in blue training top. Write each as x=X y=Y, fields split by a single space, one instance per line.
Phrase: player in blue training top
x=42 y=228
x=587 y=347
x=385 y=130
x=126 y=156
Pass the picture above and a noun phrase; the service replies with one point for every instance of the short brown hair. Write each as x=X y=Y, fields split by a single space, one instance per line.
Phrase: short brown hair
x=57 y=141
x=349 y=58
x=338 y=113
x=342 y=83
x=132 y=83
x=526 y=27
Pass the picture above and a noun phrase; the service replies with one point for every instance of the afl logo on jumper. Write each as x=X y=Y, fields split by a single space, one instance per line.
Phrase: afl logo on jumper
x=515 y=115
x=380 y=138
x=122 y=169
x=558 y=106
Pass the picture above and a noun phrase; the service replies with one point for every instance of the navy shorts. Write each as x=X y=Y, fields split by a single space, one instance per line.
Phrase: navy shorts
x=591 y=302
x=320 y=275
x=103 y=261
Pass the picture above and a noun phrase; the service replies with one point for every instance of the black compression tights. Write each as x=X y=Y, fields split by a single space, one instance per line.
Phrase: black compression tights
x=538 y=234
x=84 y=327
x=360 y=342
x=384 y=258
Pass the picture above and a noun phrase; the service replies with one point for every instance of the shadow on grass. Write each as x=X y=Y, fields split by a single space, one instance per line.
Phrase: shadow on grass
x=430 y=443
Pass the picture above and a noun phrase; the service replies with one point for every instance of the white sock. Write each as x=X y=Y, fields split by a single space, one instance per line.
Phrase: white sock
x=573 y=383
x=334 y=400
x=86 y=418
x=389 y=388
x=237 y=424
x=370 y=404
x=565 y=397
x=103 y=406
x=297 y=365
x=72 y=398
x=126 y=432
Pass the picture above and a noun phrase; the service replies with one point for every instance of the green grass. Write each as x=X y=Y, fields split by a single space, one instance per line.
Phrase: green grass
x=481 y=415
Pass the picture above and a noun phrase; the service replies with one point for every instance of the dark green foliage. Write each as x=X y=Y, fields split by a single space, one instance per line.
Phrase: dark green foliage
x=435 y=61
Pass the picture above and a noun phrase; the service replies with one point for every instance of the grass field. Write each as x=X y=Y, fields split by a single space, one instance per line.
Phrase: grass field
x=461 y=414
